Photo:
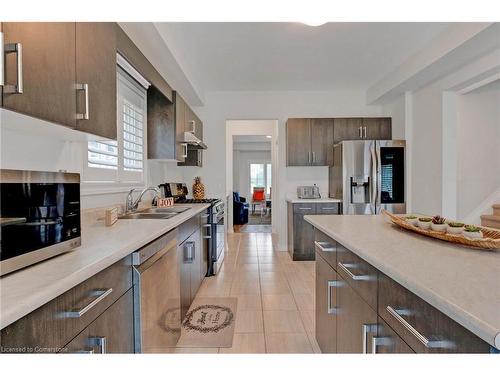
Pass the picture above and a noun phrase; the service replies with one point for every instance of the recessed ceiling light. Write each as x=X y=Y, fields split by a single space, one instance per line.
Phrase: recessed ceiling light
x=268 y=136
x=314 y=23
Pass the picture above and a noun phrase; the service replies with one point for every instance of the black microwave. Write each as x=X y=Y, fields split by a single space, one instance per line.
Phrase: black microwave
x=39 y=216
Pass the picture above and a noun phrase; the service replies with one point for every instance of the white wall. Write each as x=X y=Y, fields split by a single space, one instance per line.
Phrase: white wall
x=479 y=127
x=222 y=106
x=429 y=113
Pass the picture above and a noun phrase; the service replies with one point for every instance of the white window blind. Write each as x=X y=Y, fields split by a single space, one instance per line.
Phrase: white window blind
x=121 y=160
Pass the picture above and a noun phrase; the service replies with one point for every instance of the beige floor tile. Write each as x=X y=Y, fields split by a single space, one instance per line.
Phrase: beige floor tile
x=195 y=350
x=271 y=275
x=288 y=343
x=249 y=302
x=246 y=343
x=281 y=321
x=278 y=302
x=242 y=267
x=276 y=267
x=304 y=301
x=314 y=344
x=308 y=317
x=249 y=322
x=245 y=288
x=247 y=259
x=268 y=259
x=271 y=287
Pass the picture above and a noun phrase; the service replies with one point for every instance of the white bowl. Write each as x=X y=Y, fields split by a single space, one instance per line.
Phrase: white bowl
x=473 y=234
x=413 y=222
x=439 y=227
x=454 y=230
x=424 y=224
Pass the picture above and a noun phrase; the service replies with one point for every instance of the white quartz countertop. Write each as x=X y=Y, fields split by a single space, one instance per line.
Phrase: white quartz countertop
x=23 y=291
x=462 y=283
x=315 y=200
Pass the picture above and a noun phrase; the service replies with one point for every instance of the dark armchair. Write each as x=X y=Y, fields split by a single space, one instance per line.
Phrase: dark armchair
x=240 y=209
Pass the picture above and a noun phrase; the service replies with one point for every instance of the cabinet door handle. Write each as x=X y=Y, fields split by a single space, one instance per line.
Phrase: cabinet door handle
x=325 y=247
x=365 y=330
x=85 y=88
x=314 y=157
x=189 y=252
x=428 y=343
x=364 y=129
x=101 y=294
x=99 y=341
x=330 y=284
x=16 y=48
x=308 y=157
x=380 y=341
x=360 y=131
x=345 y=267
x=209 y=231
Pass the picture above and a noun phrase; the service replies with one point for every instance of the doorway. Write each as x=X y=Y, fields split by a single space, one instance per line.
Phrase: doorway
x=252 y=183
x=251 y=175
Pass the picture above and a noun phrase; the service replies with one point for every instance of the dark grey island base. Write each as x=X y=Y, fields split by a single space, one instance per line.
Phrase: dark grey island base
x=360 y=309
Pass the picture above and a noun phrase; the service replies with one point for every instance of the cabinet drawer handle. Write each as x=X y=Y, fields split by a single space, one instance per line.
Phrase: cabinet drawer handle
x=305 y=208
x=325 y=247
x=365 y=330
x=100 y=294
x=99 y=341
x=345 y=267
x=380 y=341
x=16 y=48
x=328 y=208
x=330 y=284
x=428 y=343
x=85 y=88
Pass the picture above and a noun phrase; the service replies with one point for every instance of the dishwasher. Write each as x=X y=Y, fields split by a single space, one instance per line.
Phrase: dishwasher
x=157 y=302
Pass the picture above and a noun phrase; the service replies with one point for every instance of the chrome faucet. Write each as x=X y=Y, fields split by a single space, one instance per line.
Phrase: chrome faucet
x=131 y=206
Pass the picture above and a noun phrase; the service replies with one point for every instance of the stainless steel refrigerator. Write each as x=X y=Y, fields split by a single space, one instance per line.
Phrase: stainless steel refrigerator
x=369 y=176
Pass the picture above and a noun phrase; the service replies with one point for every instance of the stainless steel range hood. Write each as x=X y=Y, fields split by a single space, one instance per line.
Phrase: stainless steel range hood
x=193 y=142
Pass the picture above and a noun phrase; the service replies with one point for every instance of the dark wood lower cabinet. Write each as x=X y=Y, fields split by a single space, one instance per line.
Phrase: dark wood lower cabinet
x=356 y=321
x=326 y=322
x=376 y=314
x=111 y=332
x=388 y=342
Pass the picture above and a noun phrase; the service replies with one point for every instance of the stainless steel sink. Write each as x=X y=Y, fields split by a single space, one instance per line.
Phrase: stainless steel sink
x=155 y=213
x=143 y=215
x=175 y=210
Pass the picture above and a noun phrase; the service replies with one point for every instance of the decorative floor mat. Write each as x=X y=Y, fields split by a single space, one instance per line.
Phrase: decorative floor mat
x=209 y=323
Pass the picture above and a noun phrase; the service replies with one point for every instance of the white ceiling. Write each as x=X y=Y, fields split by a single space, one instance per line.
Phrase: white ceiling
x=293 y=56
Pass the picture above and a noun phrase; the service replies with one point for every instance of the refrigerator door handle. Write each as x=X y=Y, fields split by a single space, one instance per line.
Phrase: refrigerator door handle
x=379 y=178
x=374 y=181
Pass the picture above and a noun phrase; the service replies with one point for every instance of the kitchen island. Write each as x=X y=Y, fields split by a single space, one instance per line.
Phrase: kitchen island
x=456 y=284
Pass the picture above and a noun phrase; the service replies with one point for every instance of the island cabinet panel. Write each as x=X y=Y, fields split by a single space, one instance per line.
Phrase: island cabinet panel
x=326 y=301
x=56 y=323
x=422 y=326
x=359 y=274
x=301 y=246
x=388 y=342
x=47 y=69
x=96 y=67
x=111 y=332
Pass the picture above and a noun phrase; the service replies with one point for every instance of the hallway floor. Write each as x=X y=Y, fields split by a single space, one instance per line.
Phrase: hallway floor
x=275 y=312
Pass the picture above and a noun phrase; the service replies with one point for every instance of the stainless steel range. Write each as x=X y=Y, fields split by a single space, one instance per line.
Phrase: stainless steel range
x=213 y=230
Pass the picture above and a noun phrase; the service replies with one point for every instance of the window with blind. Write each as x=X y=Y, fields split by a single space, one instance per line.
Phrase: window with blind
x=121 y=160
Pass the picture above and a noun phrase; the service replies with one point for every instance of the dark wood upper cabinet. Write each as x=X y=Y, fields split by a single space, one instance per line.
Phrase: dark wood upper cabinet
x=96 y=67
x=377 y=128
x=161 y=126
x=347 y=129
x=298 y=142
x=321 y=141
x=48 y=70
x=180 y=127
